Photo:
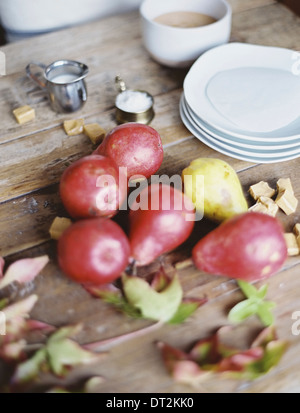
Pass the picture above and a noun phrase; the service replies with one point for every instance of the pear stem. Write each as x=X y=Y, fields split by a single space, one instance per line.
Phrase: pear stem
x=181 y=265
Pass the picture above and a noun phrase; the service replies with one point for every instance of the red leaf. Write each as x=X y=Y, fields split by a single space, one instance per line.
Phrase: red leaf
x=101 y=291
x=187 y=371
x=160 y=280
x=24 y=270
x=195 y=300
x=171 y=355
x=267 y=335
x=21 y=308
x=205 y=351
x=13 y=350
x=39 y=325
x=210 y=356
x=239 y=361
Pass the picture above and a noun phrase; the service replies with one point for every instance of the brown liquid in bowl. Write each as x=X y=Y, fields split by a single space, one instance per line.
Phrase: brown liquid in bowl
x=184 y=19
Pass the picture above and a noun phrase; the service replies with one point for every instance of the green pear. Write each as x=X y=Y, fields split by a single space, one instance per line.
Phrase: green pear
x=214 y=188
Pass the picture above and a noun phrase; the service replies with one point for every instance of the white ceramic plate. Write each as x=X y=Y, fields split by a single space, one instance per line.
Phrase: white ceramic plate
x=225 y=149
x=252 y=151
x=247 y=91
x=259 y=155
x=245 y=142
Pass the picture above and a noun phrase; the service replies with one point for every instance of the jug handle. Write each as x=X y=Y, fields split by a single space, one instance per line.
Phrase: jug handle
x=33 y=76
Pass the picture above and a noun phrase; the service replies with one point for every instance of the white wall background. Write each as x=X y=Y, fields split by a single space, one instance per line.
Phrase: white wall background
x=35 y=16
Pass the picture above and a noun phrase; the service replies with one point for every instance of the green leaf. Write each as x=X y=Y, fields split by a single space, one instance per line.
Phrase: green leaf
x=253 y=305
x=29 y=369
x=65 y=332
x=158 y=300
x=112 y=295
x=269 y=304
x=204 y=352
x=267 y=335
x=273 y=353
x=262 y=292
x=3 y=303
x=66 y=353
x=92 y=384
x=62 y=352
x=242 y=310
x=122 y=305
x=160 y=306
x=57 y=355
x=185 y=310
x=264 y=313
x=248 y=289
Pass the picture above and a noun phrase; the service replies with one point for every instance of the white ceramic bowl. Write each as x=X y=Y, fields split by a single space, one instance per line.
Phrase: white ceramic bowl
x=180 y=47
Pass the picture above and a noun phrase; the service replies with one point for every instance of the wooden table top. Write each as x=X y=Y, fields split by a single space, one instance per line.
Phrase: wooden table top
x=34 y=155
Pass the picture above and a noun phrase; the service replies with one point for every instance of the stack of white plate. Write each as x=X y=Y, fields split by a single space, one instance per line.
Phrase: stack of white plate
x=244 y=101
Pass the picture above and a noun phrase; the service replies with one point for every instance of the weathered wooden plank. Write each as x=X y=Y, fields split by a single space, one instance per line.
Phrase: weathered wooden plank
x=38 y=162
x=273 y=25
x=243 y=5
x=25 y=221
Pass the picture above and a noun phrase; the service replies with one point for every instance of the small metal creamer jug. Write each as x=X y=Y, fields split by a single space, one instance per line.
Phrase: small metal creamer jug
x=64 y=82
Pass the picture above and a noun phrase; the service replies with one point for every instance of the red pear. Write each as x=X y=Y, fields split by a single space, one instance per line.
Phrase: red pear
x=93 y=251
x=161 y=219
x=93 y=186
x=250 y=246
x=135 y=146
